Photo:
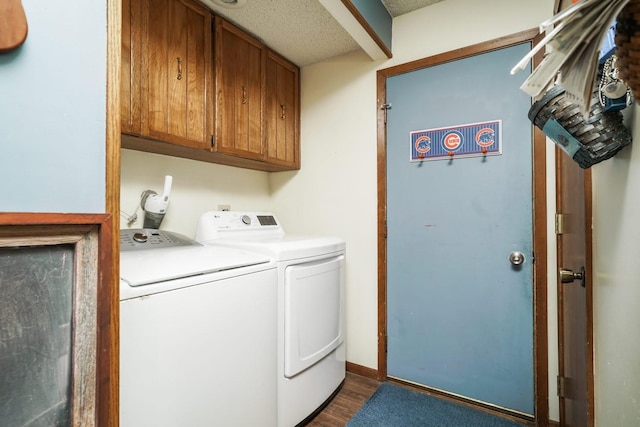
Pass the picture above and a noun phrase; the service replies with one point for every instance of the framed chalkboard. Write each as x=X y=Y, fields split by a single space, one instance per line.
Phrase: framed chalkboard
x=50 y=323
x=36 y=292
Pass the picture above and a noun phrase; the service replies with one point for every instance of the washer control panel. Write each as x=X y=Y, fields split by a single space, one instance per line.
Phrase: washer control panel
x=241 y=220
x=148 y=238
x=215 y=224
x=254 y=219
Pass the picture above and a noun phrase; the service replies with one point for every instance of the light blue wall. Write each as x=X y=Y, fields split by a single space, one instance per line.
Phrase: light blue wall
x=53 y=111
x=378 y=18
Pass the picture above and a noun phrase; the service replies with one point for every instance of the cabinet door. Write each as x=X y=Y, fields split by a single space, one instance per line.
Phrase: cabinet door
x=239 y=92
x=130 y=69
x=177 y=46
x=282 y=112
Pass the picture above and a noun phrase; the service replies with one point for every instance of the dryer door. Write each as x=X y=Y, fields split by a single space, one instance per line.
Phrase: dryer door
x=313 y=316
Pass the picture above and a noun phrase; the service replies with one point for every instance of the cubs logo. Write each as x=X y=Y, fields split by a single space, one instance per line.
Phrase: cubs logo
x=485 y=137
x=452 y=140
x=422 y=144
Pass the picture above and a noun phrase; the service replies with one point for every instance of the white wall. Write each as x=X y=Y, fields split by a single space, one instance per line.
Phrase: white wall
x=53 y=104
x=616 y=270
x=197 y=187
x=336 y=190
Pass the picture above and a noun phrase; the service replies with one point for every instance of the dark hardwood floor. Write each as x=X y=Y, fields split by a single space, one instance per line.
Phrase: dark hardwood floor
x=355 y=391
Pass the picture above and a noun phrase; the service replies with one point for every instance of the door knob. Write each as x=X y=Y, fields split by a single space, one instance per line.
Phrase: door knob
x=516 y=258
x=568 y=276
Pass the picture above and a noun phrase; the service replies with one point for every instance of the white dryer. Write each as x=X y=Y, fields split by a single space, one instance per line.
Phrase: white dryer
x=197 y=333
x=311 y=349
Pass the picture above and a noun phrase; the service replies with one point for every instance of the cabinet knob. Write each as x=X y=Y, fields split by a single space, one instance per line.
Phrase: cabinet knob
x=282 y=114
x=179 y=68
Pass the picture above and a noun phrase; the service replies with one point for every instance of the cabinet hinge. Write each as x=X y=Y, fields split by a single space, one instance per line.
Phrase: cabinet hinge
x=560 y=223
x=562 y=386
x=213 y=141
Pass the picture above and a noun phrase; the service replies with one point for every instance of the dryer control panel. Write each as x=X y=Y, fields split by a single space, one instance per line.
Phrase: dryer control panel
x=149 y=238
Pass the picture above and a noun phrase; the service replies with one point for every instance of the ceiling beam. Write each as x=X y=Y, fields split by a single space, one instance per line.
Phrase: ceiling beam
x=357 y=27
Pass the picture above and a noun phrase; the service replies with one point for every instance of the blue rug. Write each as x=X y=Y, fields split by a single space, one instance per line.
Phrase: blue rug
x=395 y=406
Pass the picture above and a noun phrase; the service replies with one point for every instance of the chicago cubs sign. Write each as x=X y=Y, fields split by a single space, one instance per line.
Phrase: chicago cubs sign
x=470 y=140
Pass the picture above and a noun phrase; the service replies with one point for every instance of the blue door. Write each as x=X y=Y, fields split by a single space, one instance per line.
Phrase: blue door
x=459 y=311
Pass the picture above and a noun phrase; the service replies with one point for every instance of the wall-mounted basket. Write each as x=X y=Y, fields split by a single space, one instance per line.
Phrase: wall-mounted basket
x=628 y=46
x=587 y=140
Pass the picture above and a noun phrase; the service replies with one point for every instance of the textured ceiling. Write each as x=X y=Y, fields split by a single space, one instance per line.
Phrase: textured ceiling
x=400 y=7
x=301 y=30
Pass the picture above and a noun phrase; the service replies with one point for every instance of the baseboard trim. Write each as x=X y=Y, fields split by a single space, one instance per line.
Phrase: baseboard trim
x=362 y=370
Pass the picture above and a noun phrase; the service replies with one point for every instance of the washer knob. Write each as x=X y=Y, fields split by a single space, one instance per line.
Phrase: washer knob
x=246 y=219
x=140 y=237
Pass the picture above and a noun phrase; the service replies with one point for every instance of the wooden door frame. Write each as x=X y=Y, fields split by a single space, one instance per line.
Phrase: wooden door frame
x=109 y=404
x=541 y=404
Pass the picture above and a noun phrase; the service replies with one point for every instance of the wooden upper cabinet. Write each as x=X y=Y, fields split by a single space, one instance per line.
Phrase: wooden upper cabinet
x=166 y=71
x=178 y=53
x=130 y=109
x=282 y=111
x=240 y=62
x=239 y=108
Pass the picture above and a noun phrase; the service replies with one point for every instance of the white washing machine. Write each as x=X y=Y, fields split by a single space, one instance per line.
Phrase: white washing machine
x=197 y=333
x=311 y=349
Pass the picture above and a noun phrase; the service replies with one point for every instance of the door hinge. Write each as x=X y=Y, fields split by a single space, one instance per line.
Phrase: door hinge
x=385 y=107
x=562 y=384
x=561 y=223
x=213 y=141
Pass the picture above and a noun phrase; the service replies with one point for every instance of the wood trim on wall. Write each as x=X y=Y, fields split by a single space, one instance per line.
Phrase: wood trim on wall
x=460 y=53
x=541 y=405
x=588 y=215
x=43 y=225
x=108 y=409
x=381 y=133
x=541 y=334
x=365 y=25
x=362 y=371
